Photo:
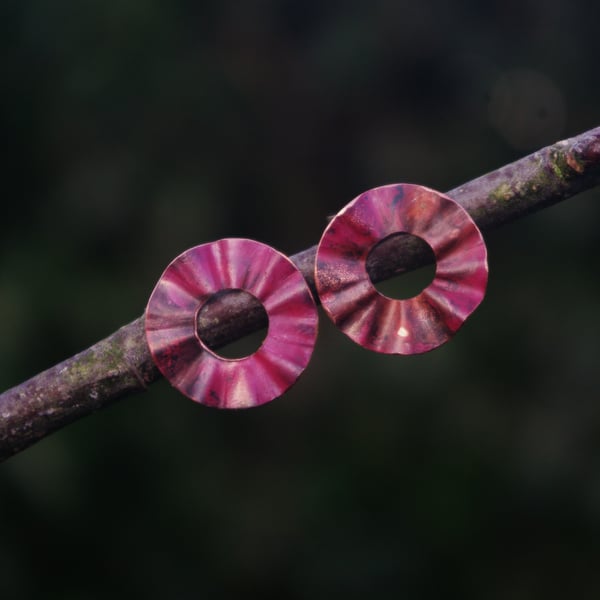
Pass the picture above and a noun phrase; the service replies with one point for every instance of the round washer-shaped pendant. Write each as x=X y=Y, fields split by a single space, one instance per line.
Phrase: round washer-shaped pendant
x=189 y=282
x=431 y=318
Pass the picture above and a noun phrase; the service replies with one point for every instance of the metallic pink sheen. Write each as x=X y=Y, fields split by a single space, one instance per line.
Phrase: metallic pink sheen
x=432 y=317
x=185 y=286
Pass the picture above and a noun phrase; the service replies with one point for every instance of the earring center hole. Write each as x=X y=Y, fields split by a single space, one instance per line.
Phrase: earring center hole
x=410 y=283
x=251 y=324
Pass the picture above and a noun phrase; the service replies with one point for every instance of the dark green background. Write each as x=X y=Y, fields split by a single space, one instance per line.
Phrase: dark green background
x=136 y=129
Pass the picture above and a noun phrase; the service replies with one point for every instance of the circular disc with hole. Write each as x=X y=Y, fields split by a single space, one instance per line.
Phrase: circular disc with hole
x=417 y=324
x=196 y=370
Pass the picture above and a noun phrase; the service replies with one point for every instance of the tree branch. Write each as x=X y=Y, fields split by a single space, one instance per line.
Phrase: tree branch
x=121 y=364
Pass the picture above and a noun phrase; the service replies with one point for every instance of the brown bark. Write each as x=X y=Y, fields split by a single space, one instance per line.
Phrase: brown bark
x=121 y=364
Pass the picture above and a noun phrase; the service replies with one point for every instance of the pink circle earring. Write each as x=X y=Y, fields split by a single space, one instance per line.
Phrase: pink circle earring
x=189 y=282
x=431 y=318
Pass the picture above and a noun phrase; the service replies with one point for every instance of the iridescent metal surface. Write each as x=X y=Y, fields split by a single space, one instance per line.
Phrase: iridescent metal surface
x=189 y=282
x=431 y=318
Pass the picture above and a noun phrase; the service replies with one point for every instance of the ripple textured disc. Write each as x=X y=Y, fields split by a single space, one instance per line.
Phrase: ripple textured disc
x=189 y=282
x=417 y=324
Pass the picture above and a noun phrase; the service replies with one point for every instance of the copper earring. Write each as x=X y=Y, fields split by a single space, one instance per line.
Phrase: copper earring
x=193 y=368
x=432 y=317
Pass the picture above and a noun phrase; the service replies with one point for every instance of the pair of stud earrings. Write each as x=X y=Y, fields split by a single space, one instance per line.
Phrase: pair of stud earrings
x=348 y=296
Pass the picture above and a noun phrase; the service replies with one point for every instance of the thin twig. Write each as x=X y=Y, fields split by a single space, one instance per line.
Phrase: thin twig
x=121 y=364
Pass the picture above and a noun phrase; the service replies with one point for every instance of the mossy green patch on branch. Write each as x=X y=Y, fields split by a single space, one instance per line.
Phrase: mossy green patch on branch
x=502 y=193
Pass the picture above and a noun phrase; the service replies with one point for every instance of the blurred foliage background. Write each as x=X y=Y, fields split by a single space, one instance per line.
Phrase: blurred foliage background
x=135 y=129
